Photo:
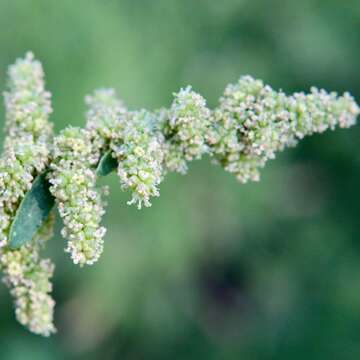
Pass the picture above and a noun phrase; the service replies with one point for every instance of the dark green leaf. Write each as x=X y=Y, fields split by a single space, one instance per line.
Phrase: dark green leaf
x=106 y=164
x=34 y=209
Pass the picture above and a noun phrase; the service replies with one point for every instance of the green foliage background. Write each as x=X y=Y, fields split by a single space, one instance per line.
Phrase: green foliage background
x=215 y=269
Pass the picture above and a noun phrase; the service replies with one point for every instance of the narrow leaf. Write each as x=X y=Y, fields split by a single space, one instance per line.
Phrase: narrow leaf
x=34 y=209
x=106 y=164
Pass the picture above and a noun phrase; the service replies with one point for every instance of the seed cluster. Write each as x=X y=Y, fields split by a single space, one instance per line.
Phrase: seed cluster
x=251 y=123
x=26 y=154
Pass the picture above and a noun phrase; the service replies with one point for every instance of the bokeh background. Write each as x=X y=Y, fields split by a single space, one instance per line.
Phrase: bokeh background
x=215 y=269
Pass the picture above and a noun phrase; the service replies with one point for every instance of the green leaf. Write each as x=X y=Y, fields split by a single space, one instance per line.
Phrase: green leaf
x=34 y=209
x=106 y=164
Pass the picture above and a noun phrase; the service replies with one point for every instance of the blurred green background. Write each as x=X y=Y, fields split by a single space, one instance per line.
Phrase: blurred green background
x=215 y=269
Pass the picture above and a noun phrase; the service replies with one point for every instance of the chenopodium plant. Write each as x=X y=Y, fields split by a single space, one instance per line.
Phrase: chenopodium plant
x=37 y=169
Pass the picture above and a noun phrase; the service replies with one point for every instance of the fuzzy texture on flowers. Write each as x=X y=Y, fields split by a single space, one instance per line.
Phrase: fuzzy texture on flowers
x=134 y=141
x=26 y=153
x=73 y=184
x=186 y=129
x=251 y=123
x=139 y=155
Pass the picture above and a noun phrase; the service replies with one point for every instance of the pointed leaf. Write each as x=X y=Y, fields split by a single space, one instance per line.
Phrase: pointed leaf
x=34 y=209
x=106 y=164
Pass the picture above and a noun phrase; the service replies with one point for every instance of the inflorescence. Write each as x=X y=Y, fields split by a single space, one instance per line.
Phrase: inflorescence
x=26 y=153
x=251 y=123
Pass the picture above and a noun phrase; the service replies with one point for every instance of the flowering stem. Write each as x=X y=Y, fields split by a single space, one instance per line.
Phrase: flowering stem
x=251 y=123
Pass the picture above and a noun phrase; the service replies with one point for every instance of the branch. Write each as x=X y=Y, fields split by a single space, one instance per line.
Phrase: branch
x=251 y=123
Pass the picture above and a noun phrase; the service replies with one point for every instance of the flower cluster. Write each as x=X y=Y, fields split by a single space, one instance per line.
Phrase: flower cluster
x=28 y=104
x=318 y=111
x=102 y=118
x=140 y=156
x=73 y=184
x=133 y=140
x=26 y=154
x=253 y=121
x=28 y=276
x=186 y=129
